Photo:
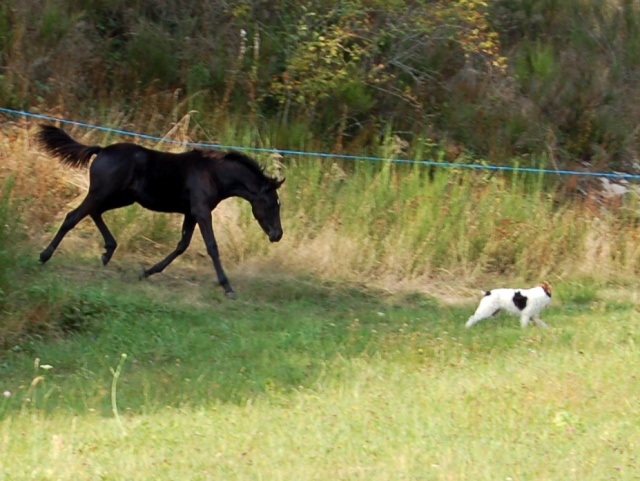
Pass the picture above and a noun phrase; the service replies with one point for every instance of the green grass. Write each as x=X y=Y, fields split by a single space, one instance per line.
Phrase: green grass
x=304 y=379
x=226 y=351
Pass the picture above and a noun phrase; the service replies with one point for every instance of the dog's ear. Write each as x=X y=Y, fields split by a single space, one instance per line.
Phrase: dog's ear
x=546 y=287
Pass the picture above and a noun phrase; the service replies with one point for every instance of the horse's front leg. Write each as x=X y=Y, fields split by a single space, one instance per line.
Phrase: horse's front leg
x=70 y=221
x=188 y=226
x=206 y=229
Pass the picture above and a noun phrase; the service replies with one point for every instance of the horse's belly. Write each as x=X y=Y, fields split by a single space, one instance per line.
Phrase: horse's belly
x=163 y=202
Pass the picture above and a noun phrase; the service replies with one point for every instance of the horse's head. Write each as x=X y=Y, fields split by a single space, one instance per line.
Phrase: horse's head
x=266 y=209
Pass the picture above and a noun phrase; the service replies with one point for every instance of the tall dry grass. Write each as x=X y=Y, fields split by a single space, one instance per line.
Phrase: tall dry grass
x=355 y=220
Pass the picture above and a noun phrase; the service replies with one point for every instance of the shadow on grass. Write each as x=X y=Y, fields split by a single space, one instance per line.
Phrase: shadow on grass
x=188 y=345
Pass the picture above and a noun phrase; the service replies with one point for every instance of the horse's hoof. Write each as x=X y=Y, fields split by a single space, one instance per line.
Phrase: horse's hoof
x=105 y=259
x=44 y=257
x=142 y=275
x=231 y=295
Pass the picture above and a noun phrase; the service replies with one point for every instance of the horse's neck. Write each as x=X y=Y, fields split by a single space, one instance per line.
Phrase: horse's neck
x=241 y=182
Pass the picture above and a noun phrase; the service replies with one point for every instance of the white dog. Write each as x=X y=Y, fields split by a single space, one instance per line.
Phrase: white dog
x=526 y=303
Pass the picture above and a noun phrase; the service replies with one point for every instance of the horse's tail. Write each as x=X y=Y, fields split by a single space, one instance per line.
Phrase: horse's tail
x=58 y=143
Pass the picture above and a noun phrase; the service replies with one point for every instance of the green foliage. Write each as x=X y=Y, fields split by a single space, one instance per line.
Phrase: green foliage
x=325 y=59
x=150 y=57
x=538 y=64
x=430 y=219
x=339 y=67
x=55 y=23
x=582 y=291
x=6 y=31
x=199 y=79
x=499 y=78
x=8 y=222
x=571 y=58
x=8 y=96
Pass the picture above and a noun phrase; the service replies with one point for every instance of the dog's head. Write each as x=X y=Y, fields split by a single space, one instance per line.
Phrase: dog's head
x=546 y=287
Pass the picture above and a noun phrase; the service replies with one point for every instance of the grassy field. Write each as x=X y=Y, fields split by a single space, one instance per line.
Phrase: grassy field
x=305 y=379
x=345 y=356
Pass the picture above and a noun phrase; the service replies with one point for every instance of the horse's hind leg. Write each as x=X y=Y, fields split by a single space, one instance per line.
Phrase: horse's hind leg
x=188 y=227
x=70 y=221
x=110 y=243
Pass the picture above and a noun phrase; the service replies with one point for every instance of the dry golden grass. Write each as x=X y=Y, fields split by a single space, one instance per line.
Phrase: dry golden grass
x=459 y=235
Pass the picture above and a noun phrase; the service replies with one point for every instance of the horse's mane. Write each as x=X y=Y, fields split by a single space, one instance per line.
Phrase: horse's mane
x=235 y=156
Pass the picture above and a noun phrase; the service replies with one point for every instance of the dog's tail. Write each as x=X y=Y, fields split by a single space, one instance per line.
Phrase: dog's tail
x=485 y=293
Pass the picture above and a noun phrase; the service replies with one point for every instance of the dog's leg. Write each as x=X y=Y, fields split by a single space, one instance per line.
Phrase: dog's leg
x=524 y=320
x=540 y=322
x=472 y=320
x=482 y=312
x=477 y=316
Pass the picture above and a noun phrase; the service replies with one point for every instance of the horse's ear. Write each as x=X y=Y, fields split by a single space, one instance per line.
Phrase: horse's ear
x=278 y=183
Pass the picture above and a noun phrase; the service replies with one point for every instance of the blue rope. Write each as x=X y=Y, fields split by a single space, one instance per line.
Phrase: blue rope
x=322 y=154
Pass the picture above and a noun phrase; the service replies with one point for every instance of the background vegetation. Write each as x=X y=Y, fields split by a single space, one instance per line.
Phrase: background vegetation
x=460 y=81
x=345 y=355
x=493 y=79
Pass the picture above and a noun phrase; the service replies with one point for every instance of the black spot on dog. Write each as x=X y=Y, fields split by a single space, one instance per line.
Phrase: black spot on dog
x=519 y=300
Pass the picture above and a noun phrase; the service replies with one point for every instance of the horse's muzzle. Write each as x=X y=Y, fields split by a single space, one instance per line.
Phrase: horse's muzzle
x=275 y=235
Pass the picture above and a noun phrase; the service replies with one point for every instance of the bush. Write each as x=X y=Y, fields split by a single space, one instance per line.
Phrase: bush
x=7 y=219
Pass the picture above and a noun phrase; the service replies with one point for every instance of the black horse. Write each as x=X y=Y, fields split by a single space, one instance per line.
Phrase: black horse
x=190 y=183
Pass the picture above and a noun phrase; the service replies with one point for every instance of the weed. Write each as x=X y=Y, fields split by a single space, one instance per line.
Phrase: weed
x=583 y=291
x=114 y=389
x=9 y=235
